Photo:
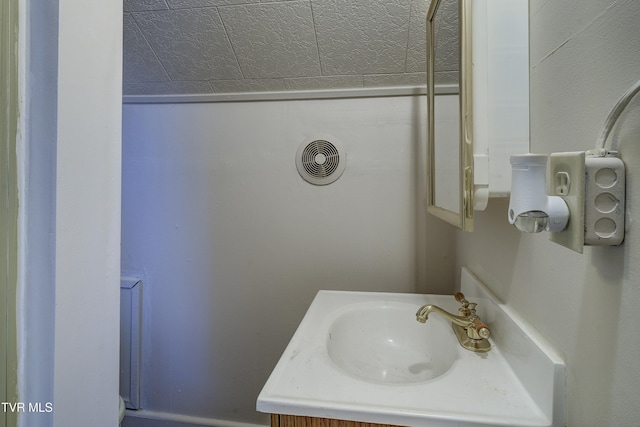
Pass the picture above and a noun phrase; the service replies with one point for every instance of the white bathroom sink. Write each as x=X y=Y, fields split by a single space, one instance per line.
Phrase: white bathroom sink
x=382 y=342
x=362 y=356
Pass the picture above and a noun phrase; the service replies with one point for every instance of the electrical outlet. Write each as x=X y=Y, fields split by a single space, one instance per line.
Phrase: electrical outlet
x=567 y=180
x=562 y=181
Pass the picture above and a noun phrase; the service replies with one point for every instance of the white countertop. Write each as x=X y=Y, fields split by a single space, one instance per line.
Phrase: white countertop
x=480 y=389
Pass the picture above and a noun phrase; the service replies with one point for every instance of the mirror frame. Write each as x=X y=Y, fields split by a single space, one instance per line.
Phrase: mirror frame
x=463 y=219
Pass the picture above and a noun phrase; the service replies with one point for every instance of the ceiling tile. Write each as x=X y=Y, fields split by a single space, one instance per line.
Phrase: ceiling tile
x=190 y=43
x=139 y=5
x=223 y=46
x=167 y=88
x=248 y=85
x=417 y=47
x=390 y=80
x=273 y=39
x=328 y=82
x=446 y=78
x=446 y=36
x=140 y=63
x=133 y=89
x=187 y=4
x=362 y=36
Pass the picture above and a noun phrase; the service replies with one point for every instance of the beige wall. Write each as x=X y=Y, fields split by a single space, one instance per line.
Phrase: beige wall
x=584 y=56
x=232 y=245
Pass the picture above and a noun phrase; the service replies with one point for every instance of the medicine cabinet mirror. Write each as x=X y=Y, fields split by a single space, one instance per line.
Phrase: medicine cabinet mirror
x=478 y=103
x=449 y=142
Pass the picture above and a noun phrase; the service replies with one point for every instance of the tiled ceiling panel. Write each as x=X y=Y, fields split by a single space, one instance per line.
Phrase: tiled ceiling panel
x=417 y=45
x=223 y=46
x=144 y=65
x=191 y=43
x=362 y=36
x=187 y=4
x=273 y=40
x=139 y=5
x=446 y=36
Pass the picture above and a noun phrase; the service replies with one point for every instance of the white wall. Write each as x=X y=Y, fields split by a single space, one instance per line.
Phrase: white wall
x=232 y=244
x=584 y=56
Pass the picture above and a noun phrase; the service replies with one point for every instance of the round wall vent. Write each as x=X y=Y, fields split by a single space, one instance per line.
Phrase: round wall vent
x=321 y=162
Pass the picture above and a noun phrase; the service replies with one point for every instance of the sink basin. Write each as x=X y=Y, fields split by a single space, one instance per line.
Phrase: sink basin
x=362 y=356
x=383 y=343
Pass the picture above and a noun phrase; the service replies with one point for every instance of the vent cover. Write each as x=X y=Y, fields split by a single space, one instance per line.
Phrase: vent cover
x=321 y=162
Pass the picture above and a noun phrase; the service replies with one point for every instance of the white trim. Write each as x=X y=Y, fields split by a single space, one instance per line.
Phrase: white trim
x=130 y=341
x=87 y=213
x=23 y=205
x=186 y=419
x=285 y=96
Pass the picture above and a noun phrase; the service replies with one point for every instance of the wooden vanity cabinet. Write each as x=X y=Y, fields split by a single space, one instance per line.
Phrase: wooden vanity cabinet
x=280 y=420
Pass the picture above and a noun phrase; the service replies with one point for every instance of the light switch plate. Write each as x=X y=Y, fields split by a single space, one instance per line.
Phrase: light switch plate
x=567 y=180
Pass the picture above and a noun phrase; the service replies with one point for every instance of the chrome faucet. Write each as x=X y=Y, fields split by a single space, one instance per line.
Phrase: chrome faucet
x=472 y=332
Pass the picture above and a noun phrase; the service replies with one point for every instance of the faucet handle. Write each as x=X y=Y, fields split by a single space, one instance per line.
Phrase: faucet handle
x=469 y=309
x=481 y=328
x=471 y=306
x=459 y=296
x=466 y=305
x=464 y=310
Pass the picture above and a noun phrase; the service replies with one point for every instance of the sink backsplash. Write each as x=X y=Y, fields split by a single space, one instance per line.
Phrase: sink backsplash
x=533 y=360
